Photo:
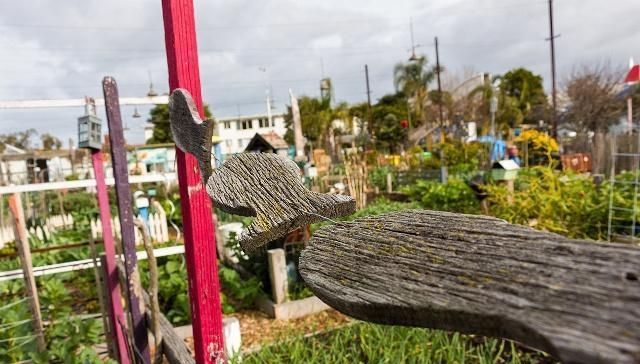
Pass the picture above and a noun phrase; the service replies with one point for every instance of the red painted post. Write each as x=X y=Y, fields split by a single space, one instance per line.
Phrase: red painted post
x=199 y=233
x=116 y=312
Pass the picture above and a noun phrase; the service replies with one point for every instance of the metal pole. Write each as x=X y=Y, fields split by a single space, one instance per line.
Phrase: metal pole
x=441 y=115
x=199 y=232
x=125 y=211
x=630 y=114
x=443 y=166
x=366 y=75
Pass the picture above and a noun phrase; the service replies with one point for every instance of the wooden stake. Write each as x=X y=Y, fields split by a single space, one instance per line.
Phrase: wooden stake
x=199 y=233
x=22 y=243
x=116 y=312
x=125 y=212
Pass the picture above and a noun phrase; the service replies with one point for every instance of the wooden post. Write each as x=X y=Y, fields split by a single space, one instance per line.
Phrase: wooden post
x=278 y=275
x=389 y=183
x=125 y=212
x=199 y=233
x=110 y=268
x=22 y=243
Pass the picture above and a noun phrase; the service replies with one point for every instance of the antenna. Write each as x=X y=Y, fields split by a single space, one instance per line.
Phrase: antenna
x=151 y=92
x=413 y=45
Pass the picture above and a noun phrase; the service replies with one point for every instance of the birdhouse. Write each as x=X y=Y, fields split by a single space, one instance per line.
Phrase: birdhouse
x=89 y=129
x=505 y=170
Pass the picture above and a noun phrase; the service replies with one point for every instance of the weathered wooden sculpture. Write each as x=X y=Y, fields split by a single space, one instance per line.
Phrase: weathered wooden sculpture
x=263 y=185
x=577 y=300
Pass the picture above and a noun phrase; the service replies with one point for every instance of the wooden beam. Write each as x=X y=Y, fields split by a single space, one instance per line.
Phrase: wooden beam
x=83 y=183
x=46 y=270
x=125 y=215
x=577 y=300
x=199 y=233
x=24 y=250
x=173 y=347
x=47 y=104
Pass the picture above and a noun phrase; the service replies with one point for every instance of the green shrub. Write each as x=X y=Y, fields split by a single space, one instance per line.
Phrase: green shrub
x=564 y=203
x=453 y=196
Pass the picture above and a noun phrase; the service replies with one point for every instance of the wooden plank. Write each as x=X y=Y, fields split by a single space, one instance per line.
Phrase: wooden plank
x=82 y=264
x=577 y=300
x=31 y=104
x=83 y=183
x=173 y=347
x=199 y=233
x=114 y=300
x=24 y=250
x=125 y=213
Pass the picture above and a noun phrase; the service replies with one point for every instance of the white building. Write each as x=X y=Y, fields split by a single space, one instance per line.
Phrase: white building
x=236 y=132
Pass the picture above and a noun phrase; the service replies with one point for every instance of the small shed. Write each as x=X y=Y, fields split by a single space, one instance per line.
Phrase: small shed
x=268 y=143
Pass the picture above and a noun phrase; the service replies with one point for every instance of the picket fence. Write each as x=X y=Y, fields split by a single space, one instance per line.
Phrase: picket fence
x=52 y=223
x=158 y=229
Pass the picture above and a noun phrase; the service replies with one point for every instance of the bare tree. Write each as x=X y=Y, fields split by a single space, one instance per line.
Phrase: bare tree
x=20 y=140
x=593 y=105
x=591 y=95
x=50 y=142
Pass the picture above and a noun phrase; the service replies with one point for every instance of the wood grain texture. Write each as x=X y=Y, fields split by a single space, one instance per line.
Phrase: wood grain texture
x=173 y=347
x=263 y=185
x=125 y=215
x=577 y=300
x=191 y=133
x=24 y=252
x=269 y=187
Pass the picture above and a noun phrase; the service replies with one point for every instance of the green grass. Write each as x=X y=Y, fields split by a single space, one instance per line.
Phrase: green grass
x=370 y=343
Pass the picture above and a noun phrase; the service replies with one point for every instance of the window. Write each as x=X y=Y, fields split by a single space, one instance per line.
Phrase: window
x=240 y=142
x=229 y=144
x=227 y=124
x=264 y=123
x=245 y=124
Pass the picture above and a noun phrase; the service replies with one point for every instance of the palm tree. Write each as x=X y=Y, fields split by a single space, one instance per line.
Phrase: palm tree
x=508 y=114
x=412 y=79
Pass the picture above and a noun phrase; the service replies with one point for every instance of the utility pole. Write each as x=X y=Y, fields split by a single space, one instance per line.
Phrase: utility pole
x=443 y=167
x=441 y=115
x=552 y=37
x=366 y=76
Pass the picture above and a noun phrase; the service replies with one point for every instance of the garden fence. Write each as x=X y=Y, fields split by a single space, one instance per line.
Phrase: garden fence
x=52 y=223
x=157 y=224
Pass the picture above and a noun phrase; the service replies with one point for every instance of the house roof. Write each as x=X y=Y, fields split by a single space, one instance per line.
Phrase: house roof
x=265 y=141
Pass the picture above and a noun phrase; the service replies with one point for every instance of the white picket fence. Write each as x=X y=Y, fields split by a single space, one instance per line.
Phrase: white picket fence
x=52 y=223
x=158 y=229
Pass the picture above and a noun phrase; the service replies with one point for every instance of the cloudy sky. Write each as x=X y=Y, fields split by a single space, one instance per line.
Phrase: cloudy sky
x=63 y=49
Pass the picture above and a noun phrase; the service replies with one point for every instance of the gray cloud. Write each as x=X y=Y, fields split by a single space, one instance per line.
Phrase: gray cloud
x=63 y=49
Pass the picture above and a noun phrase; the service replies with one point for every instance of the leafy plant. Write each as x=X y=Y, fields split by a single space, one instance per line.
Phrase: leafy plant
x=453 y=196
x=242 y=291
x=564 y=203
